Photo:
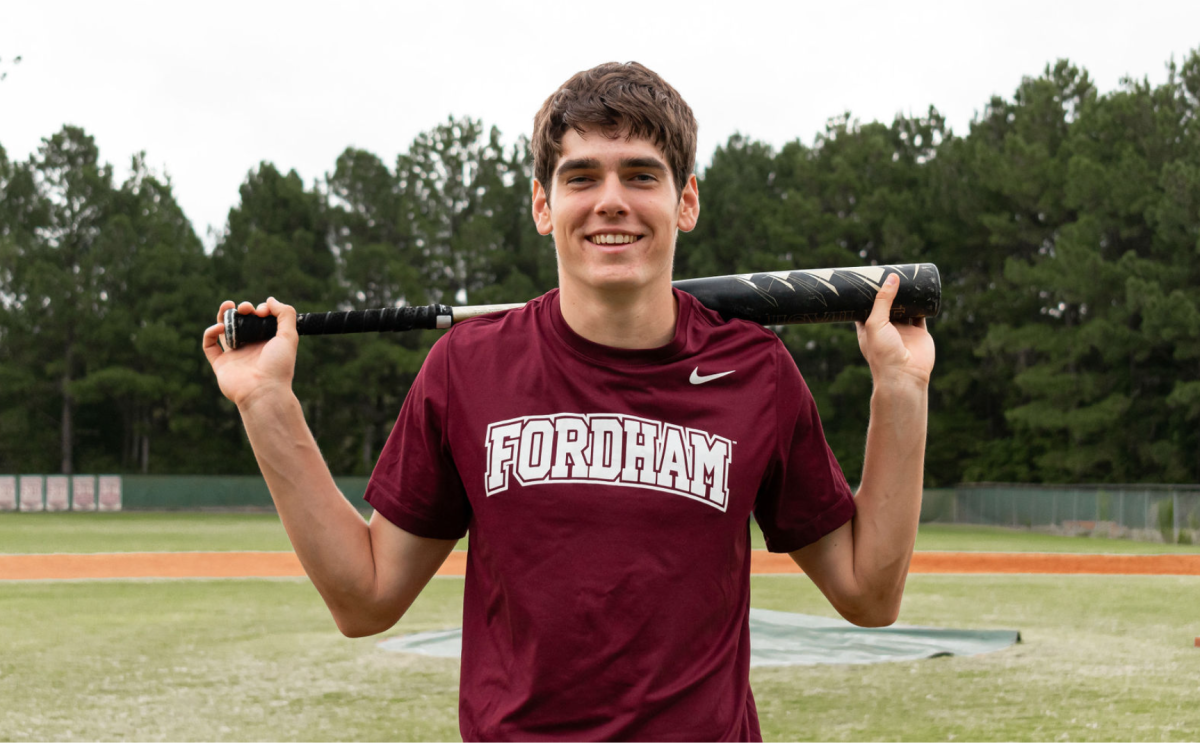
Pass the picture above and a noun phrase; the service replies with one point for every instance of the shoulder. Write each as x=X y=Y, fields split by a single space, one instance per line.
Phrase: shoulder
x=494 y=327
x=488 y=339
x=702 y=316
x=756 y=347
x=735 y=334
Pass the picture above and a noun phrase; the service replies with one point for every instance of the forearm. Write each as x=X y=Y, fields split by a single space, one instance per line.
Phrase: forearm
x=889 y=497
x=861 y=566
x=331 y=539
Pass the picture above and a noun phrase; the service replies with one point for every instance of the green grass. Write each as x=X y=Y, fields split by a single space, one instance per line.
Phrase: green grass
x=234 y=660
x=128 y=532
x=1103 y=659
x=1002 y=539
x=165 y=531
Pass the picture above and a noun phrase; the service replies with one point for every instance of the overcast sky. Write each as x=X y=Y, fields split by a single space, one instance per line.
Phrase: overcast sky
x=208 y=90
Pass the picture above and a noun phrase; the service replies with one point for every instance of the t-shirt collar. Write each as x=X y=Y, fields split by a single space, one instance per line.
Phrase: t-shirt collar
x=613 y=355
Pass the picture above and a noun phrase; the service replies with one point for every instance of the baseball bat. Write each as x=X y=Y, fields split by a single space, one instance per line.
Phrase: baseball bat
x=768 y=298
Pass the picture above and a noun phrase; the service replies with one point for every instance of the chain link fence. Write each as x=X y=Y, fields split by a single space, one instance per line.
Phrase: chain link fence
x=1158 y=513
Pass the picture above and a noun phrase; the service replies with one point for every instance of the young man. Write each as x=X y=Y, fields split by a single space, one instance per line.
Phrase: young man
x=605 y=446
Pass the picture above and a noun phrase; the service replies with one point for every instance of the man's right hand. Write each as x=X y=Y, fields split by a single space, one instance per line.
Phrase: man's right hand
x=248 y=373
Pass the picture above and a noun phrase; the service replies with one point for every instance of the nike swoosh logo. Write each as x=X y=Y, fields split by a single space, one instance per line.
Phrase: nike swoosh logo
x=699 y=379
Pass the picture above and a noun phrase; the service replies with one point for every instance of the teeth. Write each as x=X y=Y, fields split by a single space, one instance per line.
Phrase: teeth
x=613 y=239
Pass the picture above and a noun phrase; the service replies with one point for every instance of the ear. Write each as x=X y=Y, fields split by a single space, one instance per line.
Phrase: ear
x=689 y=205
x=541 y=209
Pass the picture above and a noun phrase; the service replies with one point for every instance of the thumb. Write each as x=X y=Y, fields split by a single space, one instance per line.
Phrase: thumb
x=881 y=310
x=285 y=318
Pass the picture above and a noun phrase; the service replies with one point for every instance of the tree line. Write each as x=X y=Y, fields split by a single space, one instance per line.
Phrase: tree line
x=1065 y=223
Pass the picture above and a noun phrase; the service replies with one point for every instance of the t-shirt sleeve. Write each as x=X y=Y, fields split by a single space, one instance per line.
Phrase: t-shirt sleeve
x=415 y=484
x=805 y=495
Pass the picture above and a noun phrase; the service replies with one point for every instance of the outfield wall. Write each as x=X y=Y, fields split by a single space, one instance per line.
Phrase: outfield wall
x=35 y=493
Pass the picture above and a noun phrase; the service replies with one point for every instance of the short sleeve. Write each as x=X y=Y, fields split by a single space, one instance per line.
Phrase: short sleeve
x=415 y=484
x=805 y=495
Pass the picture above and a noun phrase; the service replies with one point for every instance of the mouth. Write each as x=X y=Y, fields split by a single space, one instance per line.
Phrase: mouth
x=607 y=240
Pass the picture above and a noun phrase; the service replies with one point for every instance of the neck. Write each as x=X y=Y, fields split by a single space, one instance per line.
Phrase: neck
x=638 y=319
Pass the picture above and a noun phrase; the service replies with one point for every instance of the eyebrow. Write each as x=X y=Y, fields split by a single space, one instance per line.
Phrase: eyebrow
x=626 y=163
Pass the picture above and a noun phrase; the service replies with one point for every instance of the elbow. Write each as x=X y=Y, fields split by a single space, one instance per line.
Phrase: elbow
x=872 y=612
x=360 y=620
x=874 y=603
x=873 y=618
x=360 y=626
x=354 y=629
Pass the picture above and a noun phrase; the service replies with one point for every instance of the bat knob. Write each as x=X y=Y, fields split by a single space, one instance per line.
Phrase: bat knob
x=230 y=329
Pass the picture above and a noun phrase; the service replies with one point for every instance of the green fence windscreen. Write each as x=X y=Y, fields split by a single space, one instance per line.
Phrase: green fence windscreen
x=183 y=492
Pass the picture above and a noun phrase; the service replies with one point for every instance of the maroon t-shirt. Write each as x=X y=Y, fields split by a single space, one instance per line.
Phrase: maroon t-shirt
x=608 y=494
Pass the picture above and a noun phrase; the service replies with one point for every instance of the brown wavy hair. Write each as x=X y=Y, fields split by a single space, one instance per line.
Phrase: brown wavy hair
x=620 y=100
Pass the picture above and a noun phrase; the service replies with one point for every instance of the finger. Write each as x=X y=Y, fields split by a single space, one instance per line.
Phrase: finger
x=285 y=318
x=262 y=311
x=221 y=311
x=881 y=310
x=245 y=308
x=919 y=323
x=212 y=341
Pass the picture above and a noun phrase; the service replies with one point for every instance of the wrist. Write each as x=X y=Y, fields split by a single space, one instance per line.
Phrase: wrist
x=267 y=398
x=900 y=382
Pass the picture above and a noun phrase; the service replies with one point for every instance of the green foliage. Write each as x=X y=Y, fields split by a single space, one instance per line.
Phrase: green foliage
x=1065 y=222
x=1103 y=348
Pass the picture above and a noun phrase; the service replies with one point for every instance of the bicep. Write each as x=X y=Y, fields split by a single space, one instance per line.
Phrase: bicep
x=404 y=564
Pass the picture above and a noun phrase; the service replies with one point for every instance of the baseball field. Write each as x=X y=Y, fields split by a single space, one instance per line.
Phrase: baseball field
x=1102 y=658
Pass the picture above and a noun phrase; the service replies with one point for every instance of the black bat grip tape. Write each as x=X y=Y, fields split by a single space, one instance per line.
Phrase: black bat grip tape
x=247 y=329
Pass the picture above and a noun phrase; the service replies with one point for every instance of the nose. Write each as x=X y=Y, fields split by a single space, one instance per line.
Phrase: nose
x=611 y=197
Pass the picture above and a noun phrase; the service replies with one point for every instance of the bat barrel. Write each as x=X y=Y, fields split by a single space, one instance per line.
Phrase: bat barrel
x=818 y=295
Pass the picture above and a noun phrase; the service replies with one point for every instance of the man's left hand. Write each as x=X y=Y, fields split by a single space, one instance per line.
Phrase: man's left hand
x=896 y=351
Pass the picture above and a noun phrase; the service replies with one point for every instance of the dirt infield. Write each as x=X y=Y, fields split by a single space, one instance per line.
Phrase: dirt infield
x=274 y=564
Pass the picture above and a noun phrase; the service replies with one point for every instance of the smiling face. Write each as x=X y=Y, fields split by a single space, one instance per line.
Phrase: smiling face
x=614 y=210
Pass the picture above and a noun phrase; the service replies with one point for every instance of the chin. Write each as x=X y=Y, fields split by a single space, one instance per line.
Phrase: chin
x=621 y=282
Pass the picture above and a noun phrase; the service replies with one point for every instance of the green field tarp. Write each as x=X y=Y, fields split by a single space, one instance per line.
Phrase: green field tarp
x=788 y=638
x=784 y=638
